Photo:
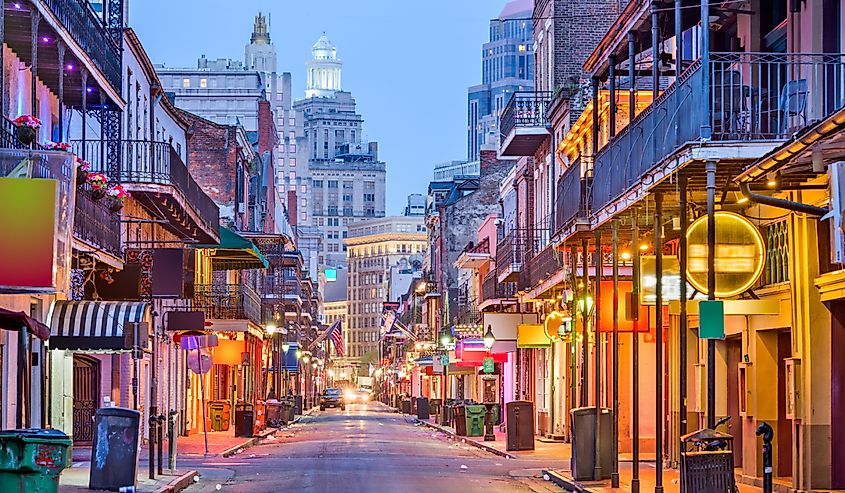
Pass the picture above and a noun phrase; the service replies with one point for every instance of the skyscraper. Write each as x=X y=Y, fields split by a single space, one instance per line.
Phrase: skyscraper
x=347 y=178
x=507 y=66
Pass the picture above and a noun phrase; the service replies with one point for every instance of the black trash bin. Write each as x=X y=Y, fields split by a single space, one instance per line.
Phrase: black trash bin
x=413 y=405
x=297 y=404
x=422 y=408
x=114 y=451
x=583 y=422
x=435 y=407
x=244 y=419
x=519 y=421
x=459 y=416
x=406 y=406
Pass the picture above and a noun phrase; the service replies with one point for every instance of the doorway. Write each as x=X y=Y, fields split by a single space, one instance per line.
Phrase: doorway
x=86 y=391
x=734 y=426
x=783 y=468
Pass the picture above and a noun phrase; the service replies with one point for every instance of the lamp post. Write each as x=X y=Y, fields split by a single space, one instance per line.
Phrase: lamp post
x=445 y=340
x=274 y=356
x=285 y=349
x=489 y=434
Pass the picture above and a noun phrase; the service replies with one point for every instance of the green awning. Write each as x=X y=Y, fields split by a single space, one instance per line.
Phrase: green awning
x=235 y=252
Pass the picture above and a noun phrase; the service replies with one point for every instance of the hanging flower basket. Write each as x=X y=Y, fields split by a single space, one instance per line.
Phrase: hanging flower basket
x=117 y=197
x=83 y=168
x=98 y=194
x=57 y=146
x=99 y=183
x=115 y=205
x=26 y=128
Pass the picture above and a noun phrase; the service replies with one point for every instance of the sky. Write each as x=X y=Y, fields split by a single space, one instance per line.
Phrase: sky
x=407 y=63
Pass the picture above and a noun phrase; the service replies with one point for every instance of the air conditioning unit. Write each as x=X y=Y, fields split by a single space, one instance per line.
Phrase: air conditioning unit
x=837 y=204
x=792 y=371
x=699 y=401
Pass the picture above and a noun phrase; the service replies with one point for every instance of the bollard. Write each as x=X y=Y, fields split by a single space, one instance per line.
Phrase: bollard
x=768 y=434
x=171 y=440
x=153 y=423
x=160 y=442
x=489 y=434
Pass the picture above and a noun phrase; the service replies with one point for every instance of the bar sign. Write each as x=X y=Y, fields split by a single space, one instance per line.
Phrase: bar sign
x=711 y=320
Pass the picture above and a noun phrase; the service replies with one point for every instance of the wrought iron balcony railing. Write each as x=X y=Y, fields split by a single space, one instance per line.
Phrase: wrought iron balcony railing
x=525 y=109
x=492 y=289
x=227 y=301
x=571 y=197
x=95 y=224
x=751 y=97
x=88 y=31
x=148 y=162
x=517 y=248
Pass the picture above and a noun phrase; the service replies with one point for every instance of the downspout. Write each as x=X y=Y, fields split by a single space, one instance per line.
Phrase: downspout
x=781 y=203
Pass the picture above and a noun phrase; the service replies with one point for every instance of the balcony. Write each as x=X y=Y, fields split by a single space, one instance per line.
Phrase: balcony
x=227 y=302
x=571 y=198
x=545 y=264
x=157 y=178
x=474 y=255
x=516 y=248
x=754 y=102
x=492 y=291
x=524 y=124
x=95 y=225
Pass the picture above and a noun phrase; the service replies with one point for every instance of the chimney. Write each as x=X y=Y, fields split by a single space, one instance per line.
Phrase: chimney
x=266 y=127
x=293 y=215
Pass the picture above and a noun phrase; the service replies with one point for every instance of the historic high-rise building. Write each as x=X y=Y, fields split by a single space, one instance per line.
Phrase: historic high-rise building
x=507 y=66
x=347 y=178
x=373 y=248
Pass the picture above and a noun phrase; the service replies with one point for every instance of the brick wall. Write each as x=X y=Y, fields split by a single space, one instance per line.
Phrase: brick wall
x=267 y=137
x=212 y=157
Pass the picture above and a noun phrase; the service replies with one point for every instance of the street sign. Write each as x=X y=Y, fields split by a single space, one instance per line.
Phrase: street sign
x=488 y=365
x=711 y=320
x=444 y=359
x=199 y=361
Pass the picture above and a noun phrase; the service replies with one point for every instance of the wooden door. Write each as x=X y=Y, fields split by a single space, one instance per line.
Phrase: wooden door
x=86 y=390
x=734 y=426
x=783 y=438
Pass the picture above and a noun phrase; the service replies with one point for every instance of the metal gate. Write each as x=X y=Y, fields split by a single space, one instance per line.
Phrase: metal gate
x=86 y=385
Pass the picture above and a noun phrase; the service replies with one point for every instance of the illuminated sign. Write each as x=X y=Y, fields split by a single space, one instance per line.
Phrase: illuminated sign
x=671 y=281
x=740 y=254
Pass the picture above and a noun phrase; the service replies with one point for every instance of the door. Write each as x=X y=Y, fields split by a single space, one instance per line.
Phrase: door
x=86 y=391
x=783 y=438
x=734 y=426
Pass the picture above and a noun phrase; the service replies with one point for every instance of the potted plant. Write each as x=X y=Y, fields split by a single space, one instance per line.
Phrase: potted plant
x=83 y=168
x=117 y=197
x=57 y=146
x=98 y=182
x=26 y=126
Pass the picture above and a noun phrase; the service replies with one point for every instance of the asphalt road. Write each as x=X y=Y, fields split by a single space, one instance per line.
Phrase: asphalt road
x=364 y=449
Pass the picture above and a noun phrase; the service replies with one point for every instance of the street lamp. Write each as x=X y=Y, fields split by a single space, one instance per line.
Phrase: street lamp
x=489 y=338
x=446 y=340
x=489 y=434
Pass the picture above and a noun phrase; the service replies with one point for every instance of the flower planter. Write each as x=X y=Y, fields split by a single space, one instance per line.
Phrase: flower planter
x=98 y=193
x=26 y=135
x=115 y=206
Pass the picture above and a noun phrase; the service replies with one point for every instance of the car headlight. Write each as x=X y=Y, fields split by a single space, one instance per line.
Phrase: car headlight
x=365 y=397
x=350 y=396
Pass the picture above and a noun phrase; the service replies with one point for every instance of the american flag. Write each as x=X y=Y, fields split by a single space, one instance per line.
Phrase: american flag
x=335 y=332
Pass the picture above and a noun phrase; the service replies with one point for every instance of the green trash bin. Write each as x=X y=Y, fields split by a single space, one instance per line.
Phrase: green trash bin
x=32 y=460
x=475 y=419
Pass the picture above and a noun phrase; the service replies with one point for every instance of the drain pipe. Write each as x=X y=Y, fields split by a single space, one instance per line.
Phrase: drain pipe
x=781 y=203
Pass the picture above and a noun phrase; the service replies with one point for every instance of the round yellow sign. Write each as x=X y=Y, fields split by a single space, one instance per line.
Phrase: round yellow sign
x=740 y=254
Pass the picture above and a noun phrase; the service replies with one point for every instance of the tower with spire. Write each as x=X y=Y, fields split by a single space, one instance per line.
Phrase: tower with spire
x=323 y=70
x=260 y=53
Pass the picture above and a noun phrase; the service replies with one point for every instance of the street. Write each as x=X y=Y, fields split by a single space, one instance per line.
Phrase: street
x=366 y=448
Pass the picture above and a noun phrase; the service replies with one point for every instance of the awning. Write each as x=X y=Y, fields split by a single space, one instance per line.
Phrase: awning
x=95 y=325
x=10 y=320
x=289 y=360
x=474 y=359
x=532 y=336
x=427 y=361
x=235 y=252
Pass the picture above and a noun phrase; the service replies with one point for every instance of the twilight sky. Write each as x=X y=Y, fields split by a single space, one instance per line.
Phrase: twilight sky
x=407 y=63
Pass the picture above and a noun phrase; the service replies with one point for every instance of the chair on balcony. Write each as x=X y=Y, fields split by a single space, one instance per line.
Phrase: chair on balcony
x=792 y=103
x=731 y=116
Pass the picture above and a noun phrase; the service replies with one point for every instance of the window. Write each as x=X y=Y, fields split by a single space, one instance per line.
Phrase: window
x=332 y=183
x=318 y=183
x=292 y=148
x=292 y=176
x=203 y=83
x=369 y=197
x=370 y=212
x=347 y=197
x=291 y=121
x=347 y=211
x=186 y=83
x=332 y=210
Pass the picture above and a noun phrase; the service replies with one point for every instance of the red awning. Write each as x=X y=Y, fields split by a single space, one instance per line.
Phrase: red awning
x=476 y=358
x=10 y=320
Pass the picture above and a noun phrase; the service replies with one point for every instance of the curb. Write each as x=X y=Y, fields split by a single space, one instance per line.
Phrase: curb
x=565 y=482
x=179 y=483
x=487 y=448
x=248 y=443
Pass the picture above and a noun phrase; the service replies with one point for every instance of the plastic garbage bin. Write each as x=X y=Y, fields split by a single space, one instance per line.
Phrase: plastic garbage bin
x=422 y=408
x=32 y=460
x=459 y=417
x=583 y=421
x=291 y=409
x=219 y=415
x=406 y=406
x=114 y=454
x=519 y=422
x=297 y=404
x=475 y=419
x=435 y=408
x=276 y=413
x=244 y=419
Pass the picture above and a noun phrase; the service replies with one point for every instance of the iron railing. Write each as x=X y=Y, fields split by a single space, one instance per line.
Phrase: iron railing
x=8 y=138
x=156 y=163
x=544 y=264
x=227 y=301
x=571 y=197
x=492 y=289
x=90 y=34
x=95 y=224
x=751 y=97
x=280 y=286
x=525 y=109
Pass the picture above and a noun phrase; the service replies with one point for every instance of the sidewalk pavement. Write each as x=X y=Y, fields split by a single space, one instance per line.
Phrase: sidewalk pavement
x=222 y=443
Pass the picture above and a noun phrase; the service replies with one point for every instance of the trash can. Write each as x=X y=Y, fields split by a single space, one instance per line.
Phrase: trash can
x=276 y=413
x=413 y=405
x=244 y=419
x=459 y=416
x=290 y=404
x=475 y=419
x=519 y=422
x=406 y=406
x=497 y=414
x=297 y=404
x=435 y=408
x=450 y=412
x=583 y=422
x=32 y=460
x=219 y=415
x=114 y=453
x=422 y=408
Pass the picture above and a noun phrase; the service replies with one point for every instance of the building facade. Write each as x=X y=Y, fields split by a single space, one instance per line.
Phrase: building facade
x=373 y=248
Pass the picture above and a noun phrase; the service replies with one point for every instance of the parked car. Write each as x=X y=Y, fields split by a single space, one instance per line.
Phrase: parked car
x=332 y=397
x=360 y=395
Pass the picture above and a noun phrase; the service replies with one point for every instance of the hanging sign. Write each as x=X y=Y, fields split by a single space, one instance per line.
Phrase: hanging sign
x=711 y=320
x=671 y=280
x=740 y=254
x=488 y=365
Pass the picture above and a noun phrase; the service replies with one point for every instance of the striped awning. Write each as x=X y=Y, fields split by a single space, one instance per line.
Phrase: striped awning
x=95 y=325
